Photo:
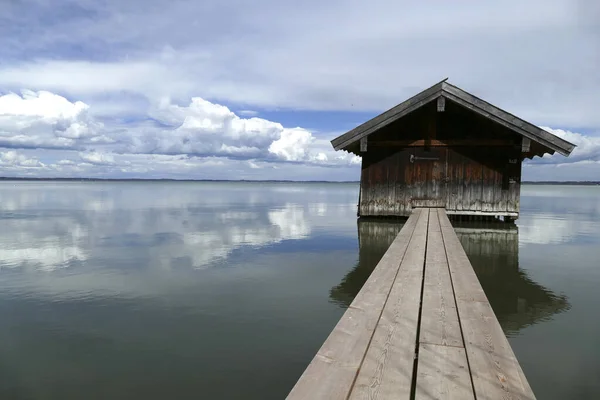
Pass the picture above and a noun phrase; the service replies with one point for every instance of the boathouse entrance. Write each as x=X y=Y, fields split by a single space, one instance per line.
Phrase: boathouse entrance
x=430 y=176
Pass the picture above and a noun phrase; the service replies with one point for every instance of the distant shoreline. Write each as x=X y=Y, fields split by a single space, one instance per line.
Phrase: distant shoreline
x=164 y=180
x=584 y=183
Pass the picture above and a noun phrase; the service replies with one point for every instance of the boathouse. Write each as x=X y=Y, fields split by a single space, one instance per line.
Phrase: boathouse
x=447 y=148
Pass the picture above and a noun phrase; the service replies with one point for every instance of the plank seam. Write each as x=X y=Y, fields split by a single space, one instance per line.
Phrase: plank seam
x=381 y=312
x=462 y=334
x=441 y=345
x=413 y=388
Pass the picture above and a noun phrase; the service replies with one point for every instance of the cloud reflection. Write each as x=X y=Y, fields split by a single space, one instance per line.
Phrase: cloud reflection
x=48 y=226
x=548 y=228
x=559 y=214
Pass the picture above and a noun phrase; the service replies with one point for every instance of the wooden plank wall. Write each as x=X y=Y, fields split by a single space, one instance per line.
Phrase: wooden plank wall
x=456 y=189
x=386 y=185
x=477 y=181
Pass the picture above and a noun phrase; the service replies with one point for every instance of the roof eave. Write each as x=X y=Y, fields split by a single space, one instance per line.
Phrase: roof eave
x=507 y=119
x=388 y=116
x=465 y=99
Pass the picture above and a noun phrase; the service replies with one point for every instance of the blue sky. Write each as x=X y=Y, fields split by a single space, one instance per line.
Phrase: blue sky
x=237 y=90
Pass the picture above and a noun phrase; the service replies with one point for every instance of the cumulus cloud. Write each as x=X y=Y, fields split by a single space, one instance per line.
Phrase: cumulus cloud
x=248 y=113
x=97 y=158
x=588 y=147
x=66 y=162
x=13 y=159
x=204 y=128
x=199 y=129
x=292 y=144
x=44 y=120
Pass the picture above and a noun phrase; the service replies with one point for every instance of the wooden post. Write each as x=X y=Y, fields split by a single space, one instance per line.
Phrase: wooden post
x=363 y=145
x=441 y=104
x=525 y=145
x=359 y=196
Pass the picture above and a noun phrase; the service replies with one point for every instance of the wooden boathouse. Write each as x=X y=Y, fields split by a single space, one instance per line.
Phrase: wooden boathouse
x=446 y=148
x=422 y=327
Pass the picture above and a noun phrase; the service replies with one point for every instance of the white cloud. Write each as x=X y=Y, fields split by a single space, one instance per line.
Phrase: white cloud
x=292 y=145
x=199 y=130
x=499 y=50
x=588 y=147
x=44 y=119
x=582 y=164
x=97 y=158
x=44 y=105
x=66 y=162
x=204 y=128
x=13 y=160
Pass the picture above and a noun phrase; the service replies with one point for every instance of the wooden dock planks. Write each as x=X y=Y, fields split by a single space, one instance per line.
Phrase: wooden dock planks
x=495 y=371
x=332 y=372
x=420 y=328
x=442 y=371
x=388 y=366
x=439 y=320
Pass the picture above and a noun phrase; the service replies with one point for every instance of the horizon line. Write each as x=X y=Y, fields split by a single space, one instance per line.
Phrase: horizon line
x=239 y=180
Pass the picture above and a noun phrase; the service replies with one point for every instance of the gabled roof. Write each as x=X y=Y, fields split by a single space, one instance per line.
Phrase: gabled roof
x=551 y=142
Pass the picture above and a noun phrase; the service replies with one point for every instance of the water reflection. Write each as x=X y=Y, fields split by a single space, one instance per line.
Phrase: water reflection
x=374 y=238
x=50 y=226
x=557 y=215
x=493 y=250
x=517 y=300
x=550 y=228
x=127 y=290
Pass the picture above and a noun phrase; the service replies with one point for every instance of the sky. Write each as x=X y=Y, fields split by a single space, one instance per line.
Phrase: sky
x=231 y=89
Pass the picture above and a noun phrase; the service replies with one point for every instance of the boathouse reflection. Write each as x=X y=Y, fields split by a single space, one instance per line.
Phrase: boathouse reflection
x=492 y=248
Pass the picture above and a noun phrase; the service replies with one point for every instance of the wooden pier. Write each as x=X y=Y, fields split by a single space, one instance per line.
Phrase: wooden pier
x=420 y=328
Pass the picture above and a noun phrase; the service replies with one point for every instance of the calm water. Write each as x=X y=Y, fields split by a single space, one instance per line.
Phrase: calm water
x=226 y=291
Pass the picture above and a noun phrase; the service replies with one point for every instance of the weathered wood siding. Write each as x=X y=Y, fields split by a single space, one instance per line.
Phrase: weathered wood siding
x=454 y=159
x=465 y=179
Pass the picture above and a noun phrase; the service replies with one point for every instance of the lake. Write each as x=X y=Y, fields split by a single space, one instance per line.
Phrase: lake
x=187 y=290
